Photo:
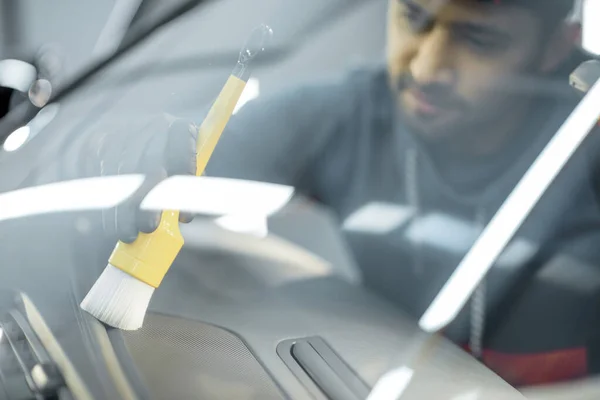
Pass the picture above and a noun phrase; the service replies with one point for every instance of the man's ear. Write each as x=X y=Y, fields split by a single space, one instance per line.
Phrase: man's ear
x=561 y=45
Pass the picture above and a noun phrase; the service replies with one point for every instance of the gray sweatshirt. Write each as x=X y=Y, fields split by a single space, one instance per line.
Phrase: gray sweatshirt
x=341 y=143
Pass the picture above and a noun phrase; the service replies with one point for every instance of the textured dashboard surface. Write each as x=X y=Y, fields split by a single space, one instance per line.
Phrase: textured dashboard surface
x=183 y=359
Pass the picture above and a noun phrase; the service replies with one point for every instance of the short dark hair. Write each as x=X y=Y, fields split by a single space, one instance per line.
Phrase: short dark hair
x=552 y=12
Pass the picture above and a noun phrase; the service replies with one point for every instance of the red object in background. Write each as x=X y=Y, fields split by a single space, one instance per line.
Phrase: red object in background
x=537 y=368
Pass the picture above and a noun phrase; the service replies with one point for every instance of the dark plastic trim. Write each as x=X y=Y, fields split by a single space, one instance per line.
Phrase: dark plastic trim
x=343 y=370
x=323 y=373
x=284 y=351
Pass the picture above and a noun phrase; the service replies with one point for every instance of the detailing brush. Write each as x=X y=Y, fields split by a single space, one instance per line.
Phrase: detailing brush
x=121 y=295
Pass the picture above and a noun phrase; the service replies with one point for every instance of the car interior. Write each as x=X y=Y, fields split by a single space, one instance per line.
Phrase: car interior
x=272 y=309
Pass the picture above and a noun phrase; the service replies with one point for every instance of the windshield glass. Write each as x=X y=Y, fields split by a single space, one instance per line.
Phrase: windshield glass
x=436 y=154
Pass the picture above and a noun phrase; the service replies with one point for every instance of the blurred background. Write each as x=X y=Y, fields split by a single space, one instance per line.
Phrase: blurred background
x=181 y=68
x=313 y=39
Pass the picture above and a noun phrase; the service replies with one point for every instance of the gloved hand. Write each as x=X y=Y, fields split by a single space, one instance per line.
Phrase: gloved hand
x=157 y=147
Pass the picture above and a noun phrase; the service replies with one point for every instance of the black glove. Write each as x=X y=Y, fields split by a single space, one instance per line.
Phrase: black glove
x=157 y=147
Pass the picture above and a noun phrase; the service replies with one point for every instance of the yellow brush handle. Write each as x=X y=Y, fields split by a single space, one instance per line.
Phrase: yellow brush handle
x=213 y=125
x=150 y=256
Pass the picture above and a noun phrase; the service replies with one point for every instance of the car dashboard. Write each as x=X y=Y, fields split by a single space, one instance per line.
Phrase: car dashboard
x=237 y=317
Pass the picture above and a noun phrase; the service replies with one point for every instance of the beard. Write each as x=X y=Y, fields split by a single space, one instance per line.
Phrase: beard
x=462 y=124
x=448 y=123
x=439 y=95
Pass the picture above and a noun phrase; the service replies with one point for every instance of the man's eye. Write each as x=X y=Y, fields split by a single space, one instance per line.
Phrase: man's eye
x=418 y=19
x=484 y=44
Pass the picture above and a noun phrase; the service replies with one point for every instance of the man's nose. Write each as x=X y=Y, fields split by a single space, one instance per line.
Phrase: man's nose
x=432 y=61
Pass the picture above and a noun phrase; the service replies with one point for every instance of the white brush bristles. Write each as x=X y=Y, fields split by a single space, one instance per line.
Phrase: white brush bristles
x=118 y=299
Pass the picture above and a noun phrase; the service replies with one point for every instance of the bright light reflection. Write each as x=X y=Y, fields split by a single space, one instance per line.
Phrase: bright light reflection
x=503 y=226
x=392 y=384
x=473 y=394
x=80 y=194
x=20 y=136
x=590 y=40
x=16 y=74
x=255 y=225
x=378 y=218
x=251 y=92
x=17 y=139
x=198 y=195
x=218 y=196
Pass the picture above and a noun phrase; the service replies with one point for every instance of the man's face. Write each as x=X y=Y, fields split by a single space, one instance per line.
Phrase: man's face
x=451 y=62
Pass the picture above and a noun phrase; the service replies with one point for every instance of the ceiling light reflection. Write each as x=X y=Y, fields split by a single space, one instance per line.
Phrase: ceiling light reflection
x=378 y=218
x=508 y=219
x=590 y=40
x=16 y=74
x=80 y=194
x=255 y=225
x=217 y=196
x=197 y=195
x=392 y=384
x=17 y=139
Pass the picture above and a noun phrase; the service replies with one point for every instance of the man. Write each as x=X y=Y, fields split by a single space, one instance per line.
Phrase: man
x=468 y=100
x=441 y=136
